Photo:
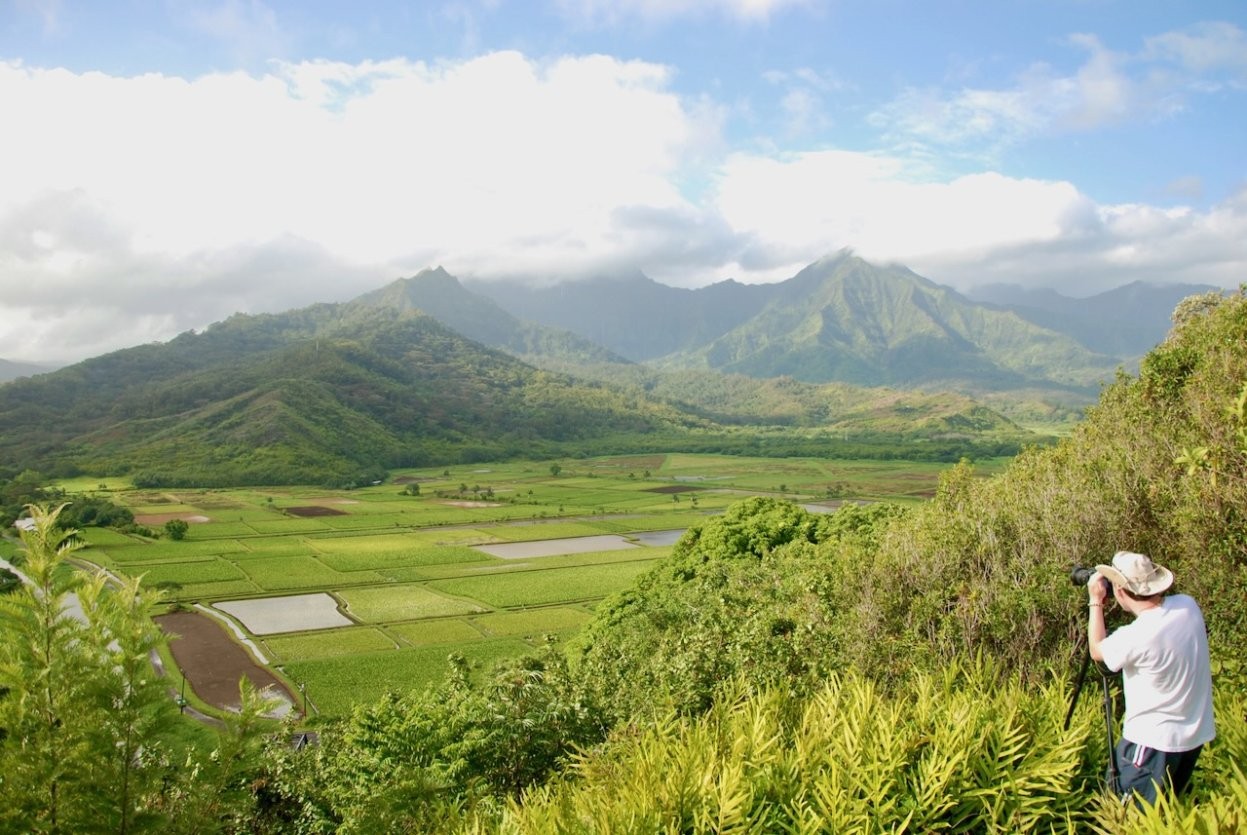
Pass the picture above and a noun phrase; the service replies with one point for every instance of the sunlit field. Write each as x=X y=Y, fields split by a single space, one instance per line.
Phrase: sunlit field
x=406 y=560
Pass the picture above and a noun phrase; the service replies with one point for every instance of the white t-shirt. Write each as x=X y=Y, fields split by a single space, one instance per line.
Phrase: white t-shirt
x=1163 y=658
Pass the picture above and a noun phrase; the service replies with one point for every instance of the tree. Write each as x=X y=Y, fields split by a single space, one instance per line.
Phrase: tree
x=177 y=528
x=87 y=739
x=43 y=665
x=555 y=469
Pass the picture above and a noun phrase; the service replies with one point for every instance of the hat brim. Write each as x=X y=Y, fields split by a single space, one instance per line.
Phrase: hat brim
x=1160 y=581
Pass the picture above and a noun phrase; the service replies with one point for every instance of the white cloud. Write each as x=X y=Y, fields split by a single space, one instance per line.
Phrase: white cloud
x=1108 y=88
x=970 y=230
x=496 y=164
x=138 y=207
x=811 y=204
x=1205 y=47
x=613 y=11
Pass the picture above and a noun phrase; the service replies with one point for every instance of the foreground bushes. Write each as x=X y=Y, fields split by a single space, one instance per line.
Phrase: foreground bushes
x=963 y=751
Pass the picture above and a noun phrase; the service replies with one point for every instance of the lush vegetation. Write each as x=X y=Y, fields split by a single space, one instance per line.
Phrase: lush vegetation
x=882 y=668
x=818 y=620
x=89 y=738
x=341 y=395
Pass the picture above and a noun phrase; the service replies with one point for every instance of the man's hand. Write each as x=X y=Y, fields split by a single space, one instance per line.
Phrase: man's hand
x=1095 y=588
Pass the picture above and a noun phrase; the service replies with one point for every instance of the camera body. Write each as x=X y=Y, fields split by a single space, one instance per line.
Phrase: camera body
x=1081 y=575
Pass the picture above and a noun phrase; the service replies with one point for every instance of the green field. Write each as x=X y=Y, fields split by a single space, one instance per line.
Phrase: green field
x=335 y=685
x=403 y=567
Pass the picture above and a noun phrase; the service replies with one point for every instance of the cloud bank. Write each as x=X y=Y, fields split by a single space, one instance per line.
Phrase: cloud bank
x=138 y=207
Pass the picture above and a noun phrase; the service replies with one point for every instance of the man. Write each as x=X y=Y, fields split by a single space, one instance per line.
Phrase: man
x=1163 y=658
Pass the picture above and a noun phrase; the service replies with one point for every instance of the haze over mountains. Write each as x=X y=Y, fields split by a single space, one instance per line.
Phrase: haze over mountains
x=427 y=369
x=840 y=319
x=844 y=319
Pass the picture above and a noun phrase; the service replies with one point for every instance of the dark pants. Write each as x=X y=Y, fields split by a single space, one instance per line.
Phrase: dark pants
x=1143 y=769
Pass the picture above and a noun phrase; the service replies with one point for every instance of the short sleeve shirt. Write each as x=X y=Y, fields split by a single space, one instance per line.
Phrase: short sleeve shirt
x=1163 y=659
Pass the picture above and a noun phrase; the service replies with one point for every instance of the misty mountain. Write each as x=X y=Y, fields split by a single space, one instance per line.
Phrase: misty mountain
x=1126 y=322
x=630 y=313
x=478 y=317
x=10 y=370
x=839 y=320
x=338 y=394
x=847 y=320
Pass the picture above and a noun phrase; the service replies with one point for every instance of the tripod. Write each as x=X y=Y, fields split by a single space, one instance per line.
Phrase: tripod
x=1112 y=774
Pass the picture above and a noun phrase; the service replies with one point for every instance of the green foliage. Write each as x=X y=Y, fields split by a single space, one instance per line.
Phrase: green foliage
x=409 y=762
x=982 y=567
x=89 y=740
x=9 y=582
x=91 y=511
x=176 y=529
x=965 y=751
x=744 y=594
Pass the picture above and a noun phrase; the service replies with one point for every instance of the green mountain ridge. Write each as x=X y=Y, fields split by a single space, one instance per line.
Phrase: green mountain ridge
x=1127 y=321
x=441 y=296
x=844 y=319
x=323 y=395
x=424 y=370
x=840 y=319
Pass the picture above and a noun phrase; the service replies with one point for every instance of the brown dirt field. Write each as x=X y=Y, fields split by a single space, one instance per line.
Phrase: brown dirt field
x=211 y=661
x=672 y=488
x=161 y=518
x=314 y=510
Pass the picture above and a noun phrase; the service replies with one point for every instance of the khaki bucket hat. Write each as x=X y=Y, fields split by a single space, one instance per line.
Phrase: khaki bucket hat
x=1137 y=573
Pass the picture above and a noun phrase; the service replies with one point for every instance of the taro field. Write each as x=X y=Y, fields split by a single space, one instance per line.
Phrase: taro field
x=348 y=594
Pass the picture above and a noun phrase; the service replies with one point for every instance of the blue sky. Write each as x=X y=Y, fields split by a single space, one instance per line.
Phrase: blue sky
x=166 y=163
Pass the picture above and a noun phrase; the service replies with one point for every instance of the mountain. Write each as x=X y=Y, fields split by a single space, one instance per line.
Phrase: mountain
x=478 y=317
x=330 y=394
x=10 y=370
x=839 y=320
x=630 y=313
x=338 y=394
x=845 y=319
x=1126 y=322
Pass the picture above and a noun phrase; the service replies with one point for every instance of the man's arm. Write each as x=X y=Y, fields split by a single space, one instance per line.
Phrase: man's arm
x=1096 y=631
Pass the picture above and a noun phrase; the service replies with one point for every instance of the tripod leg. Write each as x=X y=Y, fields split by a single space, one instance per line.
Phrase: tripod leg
x=1114 y=773
x=1073 y=697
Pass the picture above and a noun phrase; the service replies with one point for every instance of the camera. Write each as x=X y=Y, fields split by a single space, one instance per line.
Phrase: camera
x=1080 y=575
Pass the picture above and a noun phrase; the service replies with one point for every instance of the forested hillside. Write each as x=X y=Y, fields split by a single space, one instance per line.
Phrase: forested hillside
x=324 y=395
x=340 y=394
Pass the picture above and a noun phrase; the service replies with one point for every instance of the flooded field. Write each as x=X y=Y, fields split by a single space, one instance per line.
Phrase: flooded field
x=554 y=547
x=293 y=613
x=658 y=539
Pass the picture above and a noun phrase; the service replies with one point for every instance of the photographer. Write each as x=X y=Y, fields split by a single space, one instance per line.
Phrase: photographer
x=1163 y=658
